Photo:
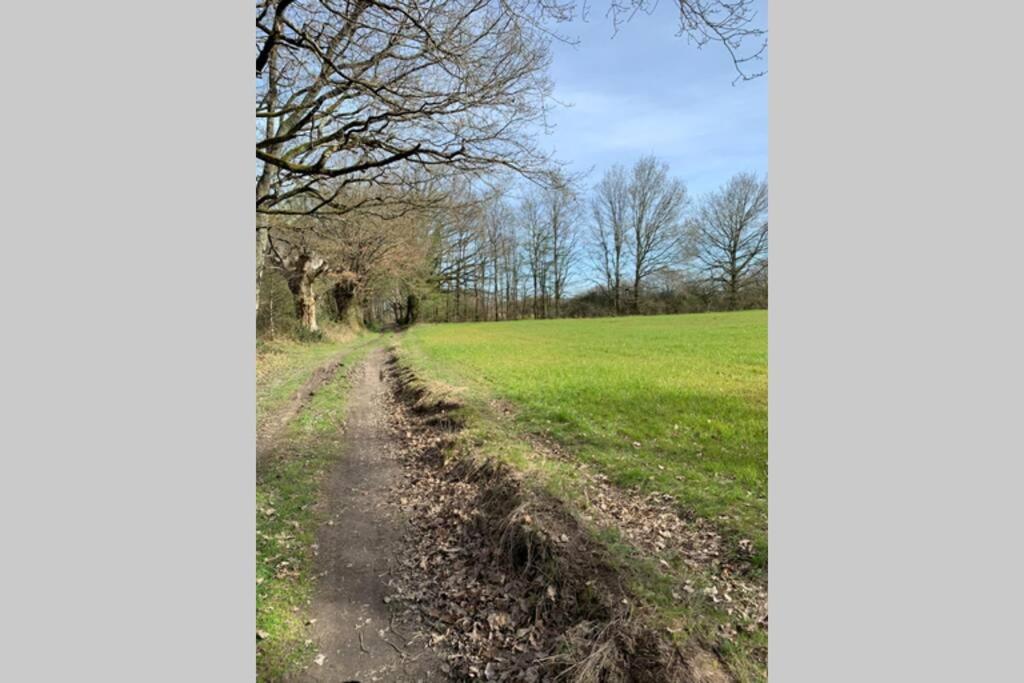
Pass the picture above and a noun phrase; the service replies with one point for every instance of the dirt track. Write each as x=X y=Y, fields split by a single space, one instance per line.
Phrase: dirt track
x=362 y=637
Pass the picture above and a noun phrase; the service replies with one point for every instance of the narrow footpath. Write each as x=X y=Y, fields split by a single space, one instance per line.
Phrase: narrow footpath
x=359 y=635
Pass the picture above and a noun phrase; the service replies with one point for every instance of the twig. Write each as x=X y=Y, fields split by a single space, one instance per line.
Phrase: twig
x=397 y=649
x=361 y=646
x=391 y=627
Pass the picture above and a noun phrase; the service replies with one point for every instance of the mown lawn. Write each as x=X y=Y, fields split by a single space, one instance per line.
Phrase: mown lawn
x=677 y=404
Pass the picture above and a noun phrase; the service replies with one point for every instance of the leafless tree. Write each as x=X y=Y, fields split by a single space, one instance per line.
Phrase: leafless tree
x=351 y=253
x=351 y=90
x=498 y=233
x=655 y=212
x=560 y=208
x=610 y=208
x=354 y=92
x=512 y=266
x=537 y=248
x=729 y=22
x=730 y=235
x=458 y=246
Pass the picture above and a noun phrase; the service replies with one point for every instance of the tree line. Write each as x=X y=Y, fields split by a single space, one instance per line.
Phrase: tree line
x=636 y=244
x=389 y=136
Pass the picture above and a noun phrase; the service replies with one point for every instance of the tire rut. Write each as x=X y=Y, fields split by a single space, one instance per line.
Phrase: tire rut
x=271 y=426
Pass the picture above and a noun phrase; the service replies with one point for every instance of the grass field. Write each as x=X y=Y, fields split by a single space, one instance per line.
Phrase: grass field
x=691 y=390
x=673 y=404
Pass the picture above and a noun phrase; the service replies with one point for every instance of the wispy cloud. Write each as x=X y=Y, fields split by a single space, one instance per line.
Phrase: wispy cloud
x=647 y=92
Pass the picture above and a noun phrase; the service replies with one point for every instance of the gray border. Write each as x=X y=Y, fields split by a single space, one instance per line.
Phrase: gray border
x=127 y=498
x=129 y=429
x=894 y=334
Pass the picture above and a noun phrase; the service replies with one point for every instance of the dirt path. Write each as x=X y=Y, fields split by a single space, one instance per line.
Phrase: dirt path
x=431 y=569
x=360 y=635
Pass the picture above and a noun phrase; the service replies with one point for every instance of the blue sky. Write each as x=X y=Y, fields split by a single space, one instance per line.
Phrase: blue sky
x=646 y=90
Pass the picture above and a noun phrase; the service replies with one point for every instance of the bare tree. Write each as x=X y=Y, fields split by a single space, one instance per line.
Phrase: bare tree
x=537 y=247
x=457 y=247
x=655 y=209
x=497 y=226
x=351 y=90
x=729 y=22
x=371 y=255
x=349 y=253
x=356 y=91
x=512 y=266
x=610 y=207
x=560 y=208
x=730 y=235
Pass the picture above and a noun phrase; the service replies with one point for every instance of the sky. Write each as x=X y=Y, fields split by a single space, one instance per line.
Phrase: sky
x=647 y=91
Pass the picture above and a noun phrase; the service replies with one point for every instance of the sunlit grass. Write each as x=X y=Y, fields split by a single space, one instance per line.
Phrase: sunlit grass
x=670 y=403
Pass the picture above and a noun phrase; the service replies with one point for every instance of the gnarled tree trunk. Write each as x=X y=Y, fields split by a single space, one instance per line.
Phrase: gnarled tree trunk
x=301 y=269
x=344 y=293
x=262 y=243
x=301 y=286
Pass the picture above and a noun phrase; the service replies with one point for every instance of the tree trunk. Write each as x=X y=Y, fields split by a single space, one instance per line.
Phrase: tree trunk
x=733 y=297
x=411 y=309
x=618 y=294
x=496 y=288
x=301 y=286
x=558 y=288
x=262 y=244
x=458 y=294
x=271 y=316
x=636 y=288
x=534 y=302
x=344 y=294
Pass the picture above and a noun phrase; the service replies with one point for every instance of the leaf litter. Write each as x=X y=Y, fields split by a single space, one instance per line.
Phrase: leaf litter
x=507 y=586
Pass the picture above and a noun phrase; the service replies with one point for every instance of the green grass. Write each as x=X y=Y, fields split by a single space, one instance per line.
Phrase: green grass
x=287 y=487
x=283 y=365
x=692 y=390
